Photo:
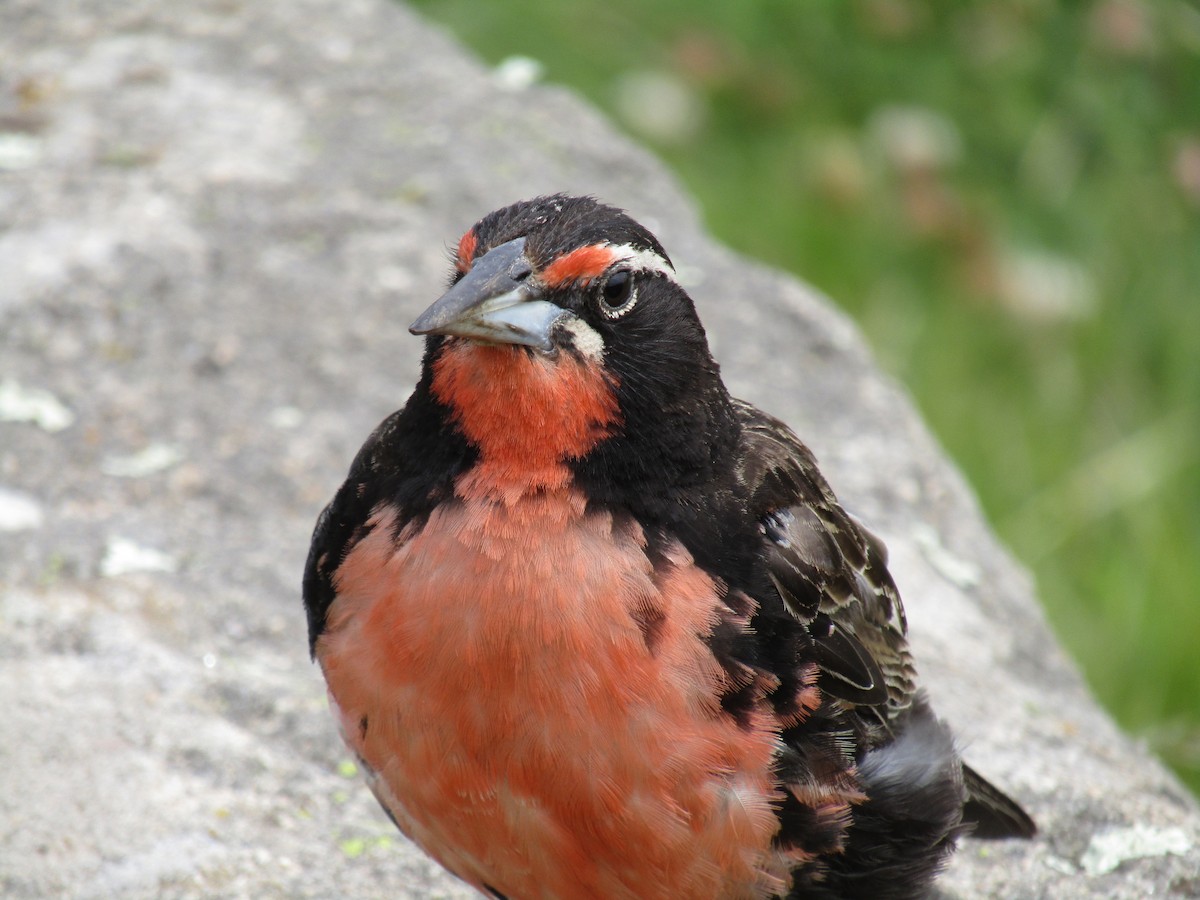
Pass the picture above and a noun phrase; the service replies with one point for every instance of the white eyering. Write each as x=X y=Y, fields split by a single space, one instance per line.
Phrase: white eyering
x=639 y=261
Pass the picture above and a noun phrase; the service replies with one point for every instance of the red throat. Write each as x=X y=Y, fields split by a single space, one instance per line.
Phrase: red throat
x=527 y=413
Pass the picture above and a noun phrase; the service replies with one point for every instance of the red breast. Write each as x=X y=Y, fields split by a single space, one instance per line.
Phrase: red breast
x=534 y=696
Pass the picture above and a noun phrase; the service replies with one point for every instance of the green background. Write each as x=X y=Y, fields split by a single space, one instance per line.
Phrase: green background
x=1006 y=196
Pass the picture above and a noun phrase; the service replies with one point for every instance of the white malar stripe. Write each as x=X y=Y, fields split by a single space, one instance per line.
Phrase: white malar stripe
x=587 y=340
x=641 y=260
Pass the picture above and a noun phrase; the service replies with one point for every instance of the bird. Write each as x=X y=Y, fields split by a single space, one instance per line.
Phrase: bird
x=594 y=628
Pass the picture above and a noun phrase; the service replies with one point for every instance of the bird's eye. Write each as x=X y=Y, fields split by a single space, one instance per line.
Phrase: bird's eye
x=617 y=294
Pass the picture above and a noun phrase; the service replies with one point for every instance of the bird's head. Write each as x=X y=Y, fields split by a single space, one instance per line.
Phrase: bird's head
x=557 y=274
x=565 y=334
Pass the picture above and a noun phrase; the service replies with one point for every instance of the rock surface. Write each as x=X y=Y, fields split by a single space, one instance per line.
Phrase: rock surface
x=217 y=219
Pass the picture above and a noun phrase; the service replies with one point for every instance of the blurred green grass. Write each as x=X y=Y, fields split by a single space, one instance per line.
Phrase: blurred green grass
x=1006 y=195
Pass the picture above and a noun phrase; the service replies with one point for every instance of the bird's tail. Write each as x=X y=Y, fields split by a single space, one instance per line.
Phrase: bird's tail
x=990 y=812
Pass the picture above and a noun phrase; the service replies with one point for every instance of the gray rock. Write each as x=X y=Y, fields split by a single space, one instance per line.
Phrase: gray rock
x=217 y=219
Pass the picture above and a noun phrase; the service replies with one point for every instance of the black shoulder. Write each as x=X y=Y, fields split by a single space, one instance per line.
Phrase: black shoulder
x=341 y=524
x=410 y=462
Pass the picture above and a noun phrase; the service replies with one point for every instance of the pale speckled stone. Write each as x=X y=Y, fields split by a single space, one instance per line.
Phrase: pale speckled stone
x=19 y=511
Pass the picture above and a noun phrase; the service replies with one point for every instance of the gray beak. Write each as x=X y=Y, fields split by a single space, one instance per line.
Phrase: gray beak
x=494 y=303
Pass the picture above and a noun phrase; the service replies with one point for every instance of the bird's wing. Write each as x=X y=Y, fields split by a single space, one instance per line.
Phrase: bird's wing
x=830 y=572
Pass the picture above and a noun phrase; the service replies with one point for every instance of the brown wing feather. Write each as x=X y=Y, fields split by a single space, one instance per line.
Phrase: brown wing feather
x=826 y=564
x=831 y=572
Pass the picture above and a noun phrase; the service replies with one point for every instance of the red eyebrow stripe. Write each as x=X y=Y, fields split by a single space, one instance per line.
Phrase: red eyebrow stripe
x=579 y=265
x=465 y=254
